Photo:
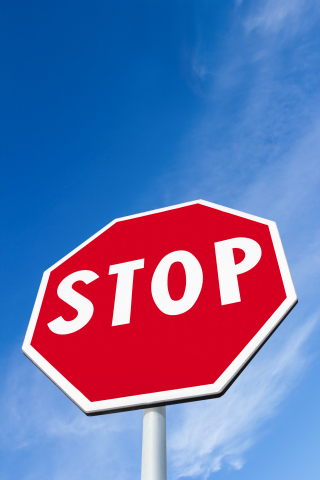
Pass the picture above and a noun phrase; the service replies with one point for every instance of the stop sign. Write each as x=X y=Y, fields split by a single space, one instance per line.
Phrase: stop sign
x=161 y=307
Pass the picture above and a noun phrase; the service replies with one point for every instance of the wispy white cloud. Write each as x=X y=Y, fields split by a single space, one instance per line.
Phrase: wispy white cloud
x=274 y=15
x=259 y=34
x=219 y=431
x=62 y=443
x=256 y=145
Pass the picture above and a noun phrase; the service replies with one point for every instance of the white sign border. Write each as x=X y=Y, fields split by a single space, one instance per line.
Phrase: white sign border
x=170 y=396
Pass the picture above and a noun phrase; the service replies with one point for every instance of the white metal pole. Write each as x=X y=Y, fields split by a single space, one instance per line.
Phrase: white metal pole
x=154 y=451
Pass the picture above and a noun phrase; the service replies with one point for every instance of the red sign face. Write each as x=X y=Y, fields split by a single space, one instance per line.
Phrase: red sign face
x=160 y=307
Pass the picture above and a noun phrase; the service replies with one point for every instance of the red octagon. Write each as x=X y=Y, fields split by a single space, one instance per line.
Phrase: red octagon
x=180 y=326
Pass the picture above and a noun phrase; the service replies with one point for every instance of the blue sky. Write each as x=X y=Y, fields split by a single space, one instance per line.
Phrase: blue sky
x=113 y=108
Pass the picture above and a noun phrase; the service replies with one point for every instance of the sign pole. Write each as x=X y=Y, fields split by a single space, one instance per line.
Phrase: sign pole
x=154 y=451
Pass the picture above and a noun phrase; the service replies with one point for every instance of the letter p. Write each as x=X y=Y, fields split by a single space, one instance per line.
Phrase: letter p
x=228 y=271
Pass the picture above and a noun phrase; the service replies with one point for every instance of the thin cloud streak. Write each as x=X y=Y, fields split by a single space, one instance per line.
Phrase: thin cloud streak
x=218 y=432
x=38 y=419
x=275 y=126
x=273 y=15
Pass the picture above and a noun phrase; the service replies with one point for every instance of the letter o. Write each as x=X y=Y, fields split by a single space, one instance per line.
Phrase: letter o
x=194 y=280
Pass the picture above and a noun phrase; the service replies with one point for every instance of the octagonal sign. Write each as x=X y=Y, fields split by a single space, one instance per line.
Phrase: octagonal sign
x=161 y=307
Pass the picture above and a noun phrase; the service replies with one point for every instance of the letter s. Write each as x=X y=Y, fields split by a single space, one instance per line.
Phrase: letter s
x=77 y=301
